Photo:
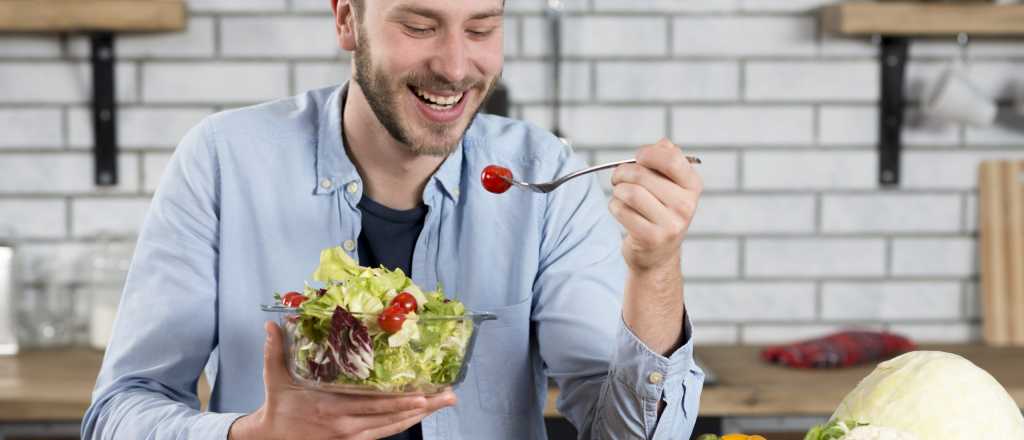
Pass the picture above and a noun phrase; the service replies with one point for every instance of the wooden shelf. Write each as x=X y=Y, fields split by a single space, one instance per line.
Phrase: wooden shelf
x=920 y=19
x=91 y=15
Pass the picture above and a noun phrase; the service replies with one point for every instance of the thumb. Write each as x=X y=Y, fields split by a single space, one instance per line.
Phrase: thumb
x=275 y=373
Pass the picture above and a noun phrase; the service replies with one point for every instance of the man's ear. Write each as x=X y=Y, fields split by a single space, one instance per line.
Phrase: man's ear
x=345 y=24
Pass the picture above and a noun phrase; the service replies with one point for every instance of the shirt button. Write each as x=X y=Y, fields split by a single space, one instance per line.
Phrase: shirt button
x=326 y=184
x=352 y=188
x=455 y=192
x=655 y=378
x=349 y=245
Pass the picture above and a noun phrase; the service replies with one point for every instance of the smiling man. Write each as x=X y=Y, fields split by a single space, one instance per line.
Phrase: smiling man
x=387 y=166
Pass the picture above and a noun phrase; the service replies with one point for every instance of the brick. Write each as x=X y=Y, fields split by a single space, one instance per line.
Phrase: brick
x=712 y=334
x=309 y=76
x=59 y=82
x=606 y=125
x=815 y=257
x=30 y=46
x=809 y=170
x=530 y=81
x=744 y=36
x=291 y=37
x=36 y=257
x=322 y=6
x=994 y=79
x=995 y=48
x=710 y=258
x=832 y=45
x=762 y=213
x=214 y=82
x=944 y=48
x=718 y=168
x=30 y=128
x=947 y=169
x=599 y=36
x=236 y=5
x=812 y=81
x=107 y=217
x=939 y=257
x=750 y=302
x=1004 y=132
x=763 y=334
x=541 y=5
x=665 y=5
x=33 y=218
x=805 y=6
x=972 y=300
x=890 y=301
x=153 y=166
x=858 y=125
x=667 y=81
x=138 y=127
x=907 y=213
x=61 y=173
x=510 y=36
x=971 y=213
x=944 y=333
x=196 y=41
x=744 y=125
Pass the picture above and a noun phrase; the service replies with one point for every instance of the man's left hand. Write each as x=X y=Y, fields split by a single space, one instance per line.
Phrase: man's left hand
x=655 y=200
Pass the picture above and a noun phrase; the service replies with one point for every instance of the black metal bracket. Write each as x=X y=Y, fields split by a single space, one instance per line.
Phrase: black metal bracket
x=893 y=62
x=104 y=109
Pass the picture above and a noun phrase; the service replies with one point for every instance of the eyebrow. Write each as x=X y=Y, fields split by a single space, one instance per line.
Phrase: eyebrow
x=436 y=15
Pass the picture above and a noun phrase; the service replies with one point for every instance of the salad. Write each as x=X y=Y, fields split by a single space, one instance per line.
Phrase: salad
x=373 y=327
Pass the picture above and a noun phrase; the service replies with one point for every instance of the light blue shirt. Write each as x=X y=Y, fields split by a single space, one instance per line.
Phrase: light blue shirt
x=252 y=195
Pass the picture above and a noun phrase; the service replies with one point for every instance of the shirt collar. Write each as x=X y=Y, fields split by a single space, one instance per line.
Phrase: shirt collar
x=334 y=168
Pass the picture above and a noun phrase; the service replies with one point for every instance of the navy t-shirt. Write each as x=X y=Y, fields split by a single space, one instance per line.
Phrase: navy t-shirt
x=388 y=237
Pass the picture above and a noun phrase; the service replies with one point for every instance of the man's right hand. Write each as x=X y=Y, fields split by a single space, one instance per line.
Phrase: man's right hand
x=293 y=412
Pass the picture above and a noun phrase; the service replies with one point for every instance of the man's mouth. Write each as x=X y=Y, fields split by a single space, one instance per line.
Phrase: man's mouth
x=437 y=101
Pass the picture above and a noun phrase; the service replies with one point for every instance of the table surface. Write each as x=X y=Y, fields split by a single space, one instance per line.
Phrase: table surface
x=42 y=386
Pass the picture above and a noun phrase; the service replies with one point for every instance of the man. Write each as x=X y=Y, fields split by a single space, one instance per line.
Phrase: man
x=387 y=167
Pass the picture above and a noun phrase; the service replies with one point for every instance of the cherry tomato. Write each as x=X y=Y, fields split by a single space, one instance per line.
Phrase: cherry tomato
x=491 y=177
x=293 y=299
x=406 y=301
x=391 y=319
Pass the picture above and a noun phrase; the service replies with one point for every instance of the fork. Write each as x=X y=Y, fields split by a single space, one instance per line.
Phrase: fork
x=547 y=187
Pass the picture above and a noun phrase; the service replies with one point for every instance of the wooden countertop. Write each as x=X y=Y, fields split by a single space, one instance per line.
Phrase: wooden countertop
x=57 y=385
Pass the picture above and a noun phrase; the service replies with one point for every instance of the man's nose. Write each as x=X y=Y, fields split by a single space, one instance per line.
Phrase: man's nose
x=451 y=60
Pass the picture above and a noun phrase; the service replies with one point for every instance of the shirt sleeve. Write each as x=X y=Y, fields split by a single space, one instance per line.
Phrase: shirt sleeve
x=165 y=328
x=610 y=382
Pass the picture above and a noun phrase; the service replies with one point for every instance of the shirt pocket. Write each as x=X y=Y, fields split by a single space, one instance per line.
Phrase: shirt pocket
x=501 y=359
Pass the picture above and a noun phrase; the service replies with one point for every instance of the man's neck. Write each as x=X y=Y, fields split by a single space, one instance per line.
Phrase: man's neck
x=392 y=175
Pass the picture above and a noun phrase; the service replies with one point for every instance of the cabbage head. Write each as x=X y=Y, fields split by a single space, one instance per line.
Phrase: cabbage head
x=934 y=395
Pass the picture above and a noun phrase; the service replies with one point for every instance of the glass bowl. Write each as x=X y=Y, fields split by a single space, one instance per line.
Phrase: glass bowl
x=426 y=364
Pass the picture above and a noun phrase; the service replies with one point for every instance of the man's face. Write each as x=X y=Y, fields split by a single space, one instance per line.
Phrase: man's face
x=426 y=66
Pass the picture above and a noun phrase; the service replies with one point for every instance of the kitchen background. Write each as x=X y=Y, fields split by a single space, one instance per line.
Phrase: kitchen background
x=794 y=237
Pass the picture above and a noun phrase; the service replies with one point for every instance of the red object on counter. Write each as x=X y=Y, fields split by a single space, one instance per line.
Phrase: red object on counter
x=840 y=349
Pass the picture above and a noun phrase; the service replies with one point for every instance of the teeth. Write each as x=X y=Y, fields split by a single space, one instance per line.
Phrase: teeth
x=441 y=102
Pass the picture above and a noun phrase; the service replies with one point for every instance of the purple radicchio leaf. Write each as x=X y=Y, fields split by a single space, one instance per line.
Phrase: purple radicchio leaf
x=350 y=347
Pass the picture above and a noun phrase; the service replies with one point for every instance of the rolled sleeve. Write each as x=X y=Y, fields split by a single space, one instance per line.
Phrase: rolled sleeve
x=651 y=377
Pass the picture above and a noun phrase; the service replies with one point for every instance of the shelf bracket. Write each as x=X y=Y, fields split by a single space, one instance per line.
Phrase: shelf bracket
x=104 y=109
x=892 y=62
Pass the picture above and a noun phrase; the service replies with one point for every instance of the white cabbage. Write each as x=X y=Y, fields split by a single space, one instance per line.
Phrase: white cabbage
x=878 y=433
x=934 y=395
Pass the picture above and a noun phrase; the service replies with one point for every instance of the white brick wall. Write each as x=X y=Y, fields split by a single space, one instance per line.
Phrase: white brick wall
x=793 y=238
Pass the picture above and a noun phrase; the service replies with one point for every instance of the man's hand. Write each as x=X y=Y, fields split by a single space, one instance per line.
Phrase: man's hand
x=655 y=200
x=293 y=412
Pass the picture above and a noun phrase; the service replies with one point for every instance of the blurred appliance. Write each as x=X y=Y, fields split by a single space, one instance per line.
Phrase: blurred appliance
x=8 y=339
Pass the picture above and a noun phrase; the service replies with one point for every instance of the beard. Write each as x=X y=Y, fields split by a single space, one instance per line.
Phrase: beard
x=434 y=139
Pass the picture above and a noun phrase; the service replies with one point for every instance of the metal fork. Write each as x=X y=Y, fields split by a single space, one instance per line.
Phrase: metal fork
x=547 y=187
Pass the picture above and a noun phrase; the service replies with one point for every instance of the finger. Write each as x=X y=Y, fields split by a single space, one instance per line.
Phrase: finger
x=645 y=204
x=669 y=160
x=367 y=405
x=441 y=400
x=392 y=429
x=363 y=424
x=634 y=223
x=275 y=373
